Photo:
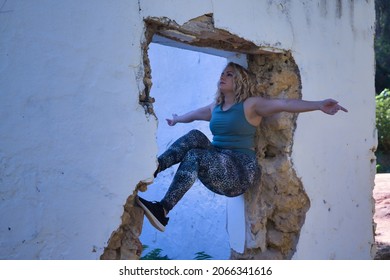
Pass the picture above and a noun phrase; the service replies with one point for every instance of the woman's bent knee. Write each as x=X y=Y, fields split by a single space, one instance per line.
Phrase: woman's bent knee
x=196 y=133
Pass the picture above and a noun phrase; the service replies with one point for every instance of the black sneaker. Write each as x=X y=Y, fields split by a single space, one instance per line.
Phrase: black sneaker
x=154 y=211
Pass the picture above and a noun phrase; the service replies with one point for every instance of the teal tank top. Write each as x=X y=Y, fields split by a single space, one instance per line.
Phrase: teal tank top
x=231 y=130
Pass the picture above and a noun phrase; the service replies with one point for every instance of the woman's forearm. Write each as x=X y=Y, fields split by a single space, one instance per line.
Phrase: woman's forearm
x=186 y=118
x=267 y=107
x=300 y=106
x=203 y=114
x=328 y=106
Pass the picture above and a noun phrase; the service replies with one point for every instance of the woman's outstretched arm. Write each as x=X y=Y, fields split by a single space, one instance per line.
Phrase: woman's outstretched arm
x=200 y=114
x=267 y=107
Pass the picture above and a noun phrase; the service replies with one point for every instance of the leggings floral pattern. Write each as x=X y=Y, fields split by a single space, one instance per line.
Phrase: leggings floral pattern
x=223 y=171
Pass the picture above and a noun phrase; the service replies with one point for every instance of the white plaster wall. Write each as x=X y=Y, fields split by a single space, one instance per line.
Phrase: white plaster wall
x=338 y=168
x=74 y=140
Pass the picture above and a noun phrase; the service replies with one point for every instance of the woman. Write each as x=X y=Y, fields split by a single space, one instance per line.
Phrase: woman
x=227 y=165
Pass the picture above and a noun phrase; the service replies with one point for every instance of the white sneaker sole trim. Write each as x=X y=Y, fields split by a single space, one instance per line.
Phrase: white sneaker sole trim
x=152 y=219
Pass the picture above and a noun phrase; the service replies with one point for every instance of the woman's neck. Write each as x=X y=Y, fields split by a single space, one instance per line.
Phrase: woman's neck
x=228 y=102
x=229 y=99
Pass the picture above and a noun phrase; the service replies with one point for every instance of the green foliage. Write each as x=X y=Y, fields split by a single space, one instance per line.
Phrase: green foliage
x=156 y=254
x=202 y=256
x=383 y=162
x=382 y=44
x=383 y=120
x=382 y=81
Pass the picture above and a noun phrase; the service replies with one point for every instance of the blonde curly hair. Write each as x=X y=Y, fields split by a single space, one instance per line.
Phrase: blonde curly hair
x=244 y=84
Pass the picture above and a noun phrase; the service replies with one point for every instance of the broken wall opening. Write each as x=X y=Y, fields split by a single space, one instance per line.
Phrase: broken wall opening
x=184 y=79
x=276 y=209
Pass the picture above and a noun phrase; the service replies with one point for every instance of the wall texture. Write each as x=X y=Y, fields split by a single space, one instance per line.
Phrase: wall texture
x=76 y=140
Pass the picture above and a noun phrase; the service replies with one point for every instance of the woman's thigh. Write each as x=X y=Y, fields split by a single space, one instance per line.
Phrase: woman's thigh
x=226 y=172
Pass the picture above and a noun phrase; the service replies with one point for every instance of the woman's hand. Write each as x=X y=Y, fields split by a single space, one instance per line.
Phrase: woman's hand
x=173 y=121
x=331 y=107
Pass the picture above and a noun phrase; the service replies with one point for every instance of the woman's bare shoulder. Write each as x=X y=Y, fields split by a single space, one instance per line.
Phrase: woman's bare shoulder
x=253 y=100
x=212 y=105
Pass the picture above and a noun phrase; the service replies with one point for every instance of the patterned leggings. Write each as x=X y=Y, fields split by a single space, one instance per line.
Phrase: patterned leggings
x=222 y=171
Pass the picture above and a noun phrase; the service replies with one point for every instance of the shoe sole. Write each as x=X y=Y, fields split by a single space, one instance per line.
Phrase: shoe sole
x=152 y=219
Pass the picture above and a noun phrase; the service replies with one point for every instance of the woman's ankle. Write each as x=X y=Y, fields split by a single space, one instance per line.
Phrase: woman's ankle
x=156 y=172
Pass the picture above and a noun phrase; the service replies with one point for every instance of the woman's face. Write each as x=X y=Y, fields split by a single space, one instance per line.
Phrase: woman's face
x=226 y=83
